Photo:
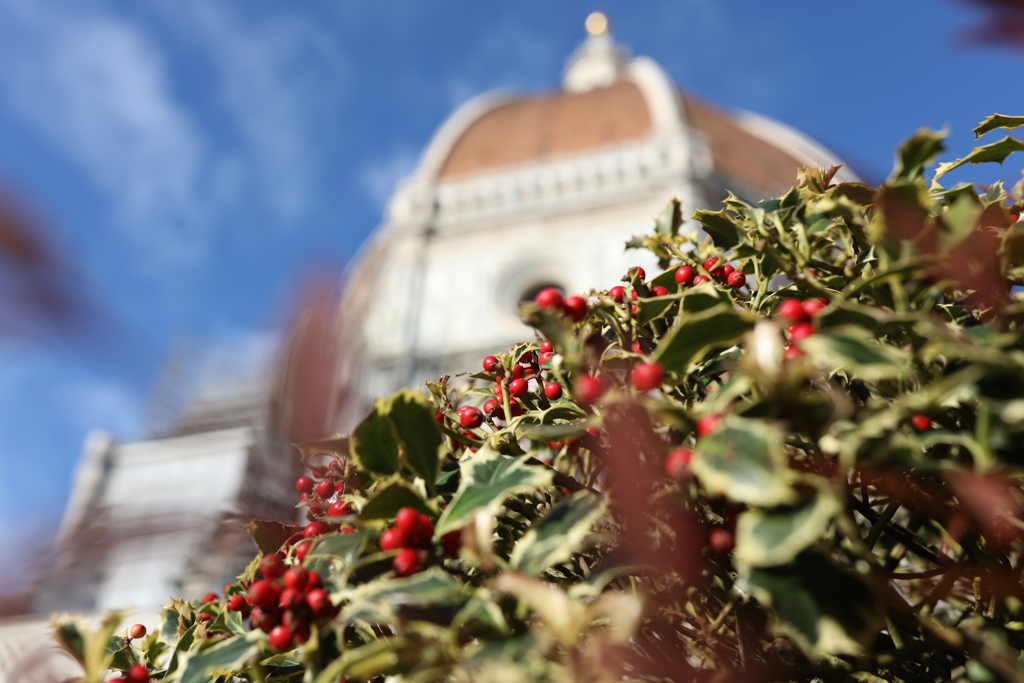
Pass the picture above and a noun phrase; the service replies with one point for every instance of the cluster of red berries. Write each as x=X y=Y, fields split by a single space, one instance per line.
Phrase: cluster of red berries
x=325 y=506
x=284 y=602
x=412 y=536
x=726 y=274
x=573 y=307
x=798 y=316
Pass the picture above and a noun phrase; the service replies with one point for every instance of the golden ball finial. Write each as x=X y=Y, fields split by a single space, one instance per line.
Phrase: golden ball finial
x=597 y=24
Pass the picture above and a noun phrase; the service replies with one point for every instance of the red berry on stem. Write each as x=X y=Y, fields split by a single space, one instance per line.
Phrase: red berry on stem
x=292 y=599
x=325 y=489
x=490 y=364
x=684 y=275
x=636 y=347
x=617 y=293
x=549 y=297
x=640 y=274
x=407 y=562
x=709 y=264
x=701 y=279
x=921 y=422
x=727 y=270
x=470 y=417
x=812 y=307
x=280 y=638
x=588 y=389
x=392 y=539
x=314 y=529
x=319 y=603
x=209 y=597
x=721 y=541
x=272 y=566
x=677 y=463
x=406 y=521
x=545 y=357
x=491 y=407
x=707 y=424
x=339 y=508
x=451 y=542
x=138 y=631
x=737 y=279
x=575 y=307
x=304 y=485
x=136 y=673
x=296 y=577
x=517 y=371
x=238 y=603
x=659 y=291
x=792 y=311
x=518 y=387
x=265 y=620
x=553 y=390
x=301 y=550
x=801 y=331
x=263 y=594
x=647 y=376
x=546 y=347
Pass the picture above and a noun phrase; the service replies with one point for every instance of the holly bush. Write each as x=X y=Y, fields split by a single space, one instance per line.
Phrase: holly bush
x=794 y=454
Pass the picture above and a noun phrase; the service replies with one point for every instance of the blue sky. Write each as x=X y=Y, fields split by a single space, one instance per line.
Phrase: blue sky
x=193 y=160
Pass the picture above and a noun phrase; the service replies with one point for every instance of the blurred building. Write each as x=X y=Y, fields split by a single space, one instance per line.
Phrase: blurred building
x=512 y=194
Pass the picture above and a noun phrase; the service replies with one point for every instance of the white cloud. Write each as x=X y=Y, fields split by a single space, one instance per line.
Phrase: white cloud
x=97 y=90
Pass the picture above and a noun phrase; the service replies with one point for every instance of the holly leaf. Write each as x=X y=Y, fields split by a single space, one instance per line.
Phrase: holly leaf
x=373 y=444
x=743 y=460
x=823 y=608
x=772 y=537
x=692 y=335
x=226 y=657
x=998 y=121
x=994 y=152
x=559 y=534
x=721 y=228
x=916 y=153
x=488 y=479
x=269 y=536
x=852 y=350
x=392 y=497
x=668 y=221
x=412 y=418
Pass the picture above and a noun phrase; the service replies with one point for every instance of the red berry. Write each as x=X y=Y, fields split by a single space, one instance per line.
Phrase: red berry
x=588 y=389
x=263 y=594
x=319 y=603
x=281 y=638
x=636 y=347
x=439 y=417
x=545 y=357
x=497 y=392
x=406 y=521
x=701 y=279
x=726 y=271
x=517 y=371
x=792 y=352
x=792 y=311
x=470 y=417
x=633 y=294
x=265 y=619
x=737 y=279
x=549 y=297
x=238 y=603
x=921 y=422
x=553 y=390
x=515 y=409
x=677 y=463
x=296 y=578
x=490 y=364
x=684 y=275
x=392 y=539
x=709 y=264
x=491 y=407
x=425 y=530
x=640 y=274
x=209 y=597
x=721 y=541
x=314 y=581
x=136 y=673
x=518 y=387
x=325 y=489
x=346 y=530
x=647 y=376
x=546 y=347
x=206 y=616
x=304 y=485
x=314 y=529
x=707 y=424
x=617 y=293
x=272 y=566
x=407 y=562
x=451 y=542
x=339 y=508
x=801 y=331
x=658 y=291
x=292 y=599
x=813 y=306
x=575 y=307
x=302 y=549
x=138 y=631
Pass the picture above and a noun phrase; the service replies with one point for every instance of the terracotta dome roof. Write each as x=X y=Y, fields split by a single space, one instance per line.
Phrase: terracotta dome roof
x=736 y=153
x=544 y=128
